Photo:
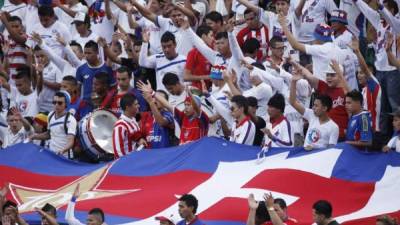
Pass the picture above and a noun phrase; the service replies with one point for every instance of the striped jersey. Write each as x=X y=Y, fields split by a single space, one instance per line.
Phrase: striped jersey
x=124 y=136
x=261 y=34
x=243 y=132
x=372 y=100
x=17 y=56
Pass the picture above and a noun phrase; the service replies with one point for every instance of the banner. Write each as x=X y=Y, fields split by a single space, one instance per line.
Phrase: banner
x=138 y=187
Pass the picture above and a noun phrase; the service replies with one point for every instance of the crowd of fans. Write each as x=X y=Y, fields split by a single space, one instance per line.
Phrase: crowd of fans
x=270 y=74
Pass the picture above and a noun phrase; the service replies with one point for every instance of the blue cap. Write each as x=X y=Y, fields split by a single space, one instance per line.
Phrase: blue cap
x=339 y=16
x=323 y=32
x=45 y=2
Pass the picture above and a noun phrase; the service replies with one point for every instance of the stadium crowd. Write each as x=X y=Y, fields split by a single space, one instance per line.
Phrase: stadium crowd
x=270 y=74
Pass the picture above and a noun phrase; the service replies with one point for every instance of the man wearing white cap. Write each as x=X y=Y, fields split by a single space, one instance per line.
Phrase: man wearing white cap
x=84 y=33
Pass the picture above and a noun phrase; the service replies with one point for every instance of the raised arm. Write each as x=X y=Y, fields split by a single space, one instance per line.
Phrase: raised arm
x=269 y=203
x=291 y=39
x=230 y=81
x=206 y=51
x=144 y=59
x=339 y=72
x=70 y=213
x=391 y=57
x=355 y=46
x=253 y=205
x=219 y=107
x=50 y=219
x=121 y=5
x=292 y=96
x=299 y=9
x=373 y=16
x=107 y=6
x=187 y=12
x=393 y=21
x=68 y=10
x=312 y=80
x=108 y=52
x=145 y=12
x=131 y=20
x=55 y=58
x=17 y=37
x=249 y=5
x=71 y=57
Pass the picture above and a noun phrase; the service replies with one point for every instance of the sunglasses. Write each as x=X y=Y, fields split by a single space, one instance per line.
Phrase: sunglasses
x=58 y=102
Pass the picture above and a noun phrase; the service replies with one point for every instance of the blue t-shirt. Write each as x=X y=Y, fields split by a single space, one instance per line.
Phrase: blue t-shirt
x=79 y=108
x=85 y=75
x=157 y=136
x=359 y=127
x=194 y=222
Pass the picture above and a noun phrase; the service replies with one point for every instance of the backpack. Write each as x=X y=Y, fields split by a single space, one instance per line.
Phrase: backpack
x=65 y=120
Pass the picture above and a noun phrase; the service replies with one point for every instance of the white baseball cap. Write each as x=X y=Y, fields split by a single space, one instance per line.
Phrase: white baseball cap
x=79 y=17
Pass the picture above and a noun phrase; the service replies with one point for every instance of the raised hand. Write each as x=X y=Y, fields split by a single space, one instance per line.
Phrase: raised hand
x=16 y=112
x=185 y=24
x=354 y=44
x=269 y=200
x=36 y=37
x=253 y=204
x=230 y=25
x=61 y=40
x=145 y=87
x=389 y=41
x=336 y=67
x=76 y=192
x=102 y=42
x=282 y=20
x=6 y=220
x=146 y=36
x=39 y=69
x=247 y=65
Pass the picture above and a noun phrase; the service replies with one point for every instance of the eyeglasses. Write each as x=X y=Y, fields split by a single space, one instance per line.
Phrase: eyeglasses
x=58 y=102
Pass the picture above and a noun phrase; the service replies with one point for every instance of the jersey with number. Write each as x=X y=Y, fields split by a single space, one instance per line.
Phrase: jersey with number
x=360 y=127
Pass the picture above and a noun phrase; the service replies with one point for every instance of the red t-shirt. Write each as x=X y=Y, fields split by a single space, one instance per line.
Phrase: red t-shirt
x=289 y=221
x=338 y=112
x=192 y=129
x=198 y=65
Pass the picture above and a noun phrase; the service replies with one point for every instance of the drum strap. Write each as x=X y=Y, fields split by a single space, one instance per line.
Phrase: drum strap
x=65 y=120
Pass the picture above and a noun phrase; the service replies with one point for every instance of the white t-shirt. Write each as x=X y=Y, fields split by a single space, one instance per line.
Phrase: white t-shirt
x=314 y=13
x=243 y=132
x=262 y=93
x=162 y=65
x=155 y=34
x=320 y=135
x=12 y=139
x=183 y=45
x=59 y=139
x=51 y=74
x=27 y=105
x=83 y=40
x=15 y=10
x=31 y=18
x=322 y=56
x=49 y=36
x=67 y=19
x=356 y=20
x=394 y=143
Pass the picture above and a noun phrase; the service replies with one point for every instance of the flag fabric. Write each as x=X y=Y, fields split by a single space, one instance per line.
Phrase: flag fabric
x=136 y=188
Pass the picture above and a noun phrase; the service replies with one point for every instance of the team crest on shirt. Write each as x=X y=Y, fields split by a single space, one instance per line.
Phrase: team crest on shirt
x=23 y=105
x=314 y=135
x=86 y=76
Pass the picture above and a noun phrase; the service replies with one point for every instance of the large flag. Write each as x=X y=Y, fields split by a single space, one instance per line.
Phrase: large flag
x=136 y=188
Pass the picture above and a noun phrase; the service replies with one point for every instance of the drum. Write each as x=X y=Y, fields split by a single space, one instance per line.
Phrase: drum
x=95 y=133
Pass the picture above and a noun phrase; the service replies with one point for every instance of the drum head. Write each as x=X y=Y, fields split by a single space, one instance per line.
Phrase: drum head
x=101 y=127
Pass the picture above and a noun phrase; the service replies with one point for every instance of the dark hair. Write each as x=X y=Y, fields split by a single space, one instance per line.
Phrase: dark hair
x=97 y=211
x=45 y=10
x=215 y=17
x=168 y=36
x=62 y=95
x=355 y=96
x=203 y=30
x=248 y=11
x=7 y=204
x=48 y=208
x=76 y=44
x=277 y=101
x=274 y=40
x=253 y=102
x=103 y=77
x=118 y=45
x=325 y=101
x=170 y=79
x=93 y=45
x=15 y=19
x=393 y=5
x=280 y=202
x=190 y=201
x=261 y=213
x=250 y=46
x=127 y=100
x=23 y=71
x=323 y=207
x=71 y=79
x=164 y=93
x=124 y=69
x=221 y=35
x=241 y=102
